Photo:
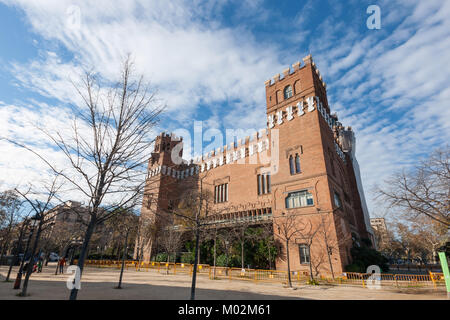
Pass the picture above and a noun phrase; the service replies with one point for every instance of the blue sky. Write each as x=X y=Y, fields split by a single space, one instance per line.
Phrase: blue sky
x=209 y=61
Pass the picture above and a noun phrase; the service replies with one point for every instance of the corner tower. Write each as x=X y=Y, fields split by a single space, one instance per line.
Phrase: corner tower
x=315 y=181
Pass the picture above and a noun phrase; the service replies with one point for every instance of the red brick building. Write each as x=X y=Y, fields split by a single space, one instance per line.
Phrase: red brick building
x=302 y=167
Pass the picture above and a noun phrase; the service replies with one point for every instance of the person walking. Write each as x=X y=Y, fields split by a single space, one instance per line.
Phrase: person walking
x=39 y=266
x=62 y=263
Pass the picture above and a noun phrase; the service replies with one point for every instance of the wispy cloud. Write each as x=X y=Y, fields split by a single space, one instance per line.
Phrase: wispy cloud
x=390 y=85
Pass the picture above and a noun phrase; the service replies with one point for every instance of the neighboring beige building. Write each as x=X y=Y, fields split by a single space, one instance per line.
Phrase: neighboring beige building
x=380 y=229
x=76 y=217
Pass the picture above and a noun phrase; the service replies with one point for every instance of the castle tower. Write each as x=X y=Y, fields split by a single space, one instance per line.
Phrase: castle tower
x=162 y=176
x=315 y=181
x=302 y=165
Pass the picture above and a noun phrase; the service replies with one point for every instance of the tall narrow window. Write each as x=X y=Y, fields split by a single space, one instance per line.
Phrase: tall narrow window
x=263 y=184
x=221 y=193
x=291 y=165
x=297 y=163
x=287 y=92
x=263 y=181
x=259 y=177
x=303 y=250
x=216 y=193
x=337 y=200
x=268 y=183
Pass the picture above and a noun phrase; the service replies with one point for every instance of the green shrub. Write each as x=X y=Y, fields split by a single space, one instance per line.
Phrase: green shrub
x=221 y=260
x=313 y=282
x=187 y=257
x=364 y=256
x=354 y=267
x=162 y=257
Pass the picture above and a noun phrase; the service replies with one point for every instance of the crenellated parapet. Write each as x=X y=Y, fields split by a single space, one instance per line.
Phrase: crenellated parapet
x=295 y=68
x=177 y=172
x=239 y=152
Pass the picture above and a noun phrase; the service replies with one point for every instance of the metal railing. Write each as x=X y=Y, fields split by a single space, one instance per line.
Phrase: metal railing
x=433 y=279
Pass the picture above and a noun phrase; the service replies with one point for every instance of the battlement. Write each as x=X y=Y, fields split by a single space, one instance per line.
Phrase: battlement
x=230 y=153
x=295 y=68
x=168 y=136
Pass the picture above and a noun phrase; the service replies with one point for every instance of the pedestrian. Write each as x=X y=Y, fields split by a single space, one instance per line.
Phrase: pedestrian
x=62 y=263
x=39 y=265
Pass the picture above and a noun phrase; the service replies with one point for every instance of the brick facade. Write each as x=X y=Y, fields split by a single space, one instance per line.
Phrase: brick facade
x=308 y=157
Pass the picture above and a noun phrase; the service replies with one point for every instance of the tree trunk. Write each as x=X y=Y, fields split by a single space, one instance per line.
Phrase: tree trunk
x=194 y=272
x=123 y=261
x=31 y=263
x=84 y=248
x=329 y=260
x=168 y=261
x=16 y=256
x=311 y=277
x=288 y=264
x=214 y=258
x=5 y=242
x=242 y=255
x=270 y=258
x=19 y=273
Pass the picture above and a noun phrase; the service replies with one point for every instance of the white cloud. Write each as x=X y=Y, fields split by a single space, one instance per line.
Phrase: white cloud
x=390 y=85
x=395 y=97
x=188 y=61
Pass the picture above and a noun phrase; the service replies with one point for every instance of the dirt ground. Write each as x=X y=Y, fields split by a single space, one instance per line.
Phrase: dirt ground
x=99 y=283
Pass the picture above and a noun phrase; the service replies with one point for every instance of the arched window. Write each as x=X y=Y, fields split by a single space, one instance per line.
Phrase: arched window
x=291 y=164
x=297 y=163
x=287 y=92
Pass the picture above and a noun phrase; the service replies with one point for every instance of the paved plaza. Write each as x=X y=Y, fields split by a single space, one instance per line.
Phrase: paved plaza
x=99 y=283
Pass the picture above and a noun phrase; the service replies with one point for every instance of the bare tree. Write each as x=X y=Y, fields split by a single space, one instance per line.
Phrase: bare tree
x=331 y=242
x=125 y=223
x=170 y=237
x=430 y=234
x=419 y=239
x=226 y=238
x=212 y=234
x=61 y=236
x=424 y=190
x=22 y=228
x=10 y=216
x=241 y=235
x=287 y=227
x=108 y=150
x=189 y=210
x=269 y=237
x=308 y=234
x=146 y=230
x=42 y=211
x=194 y=207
